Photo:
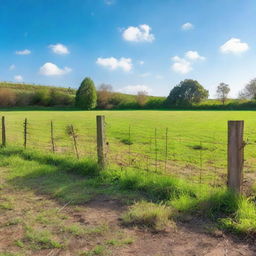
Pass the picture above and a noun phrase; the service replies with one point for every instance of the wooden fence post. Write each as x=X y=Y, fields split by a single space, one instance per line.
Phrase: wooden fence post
x=25 y=132
x=52 y=138
x=235 y=155
x=100 y=121
x=3 y=132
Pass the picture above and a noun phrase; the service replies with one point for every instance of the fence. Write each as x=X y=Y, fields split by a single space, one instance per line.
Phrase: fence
x=199 y=161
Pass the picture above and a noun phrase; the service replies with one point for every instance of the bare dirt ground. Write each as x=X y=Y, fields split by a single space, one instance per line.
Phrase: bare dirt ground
x=32 y=224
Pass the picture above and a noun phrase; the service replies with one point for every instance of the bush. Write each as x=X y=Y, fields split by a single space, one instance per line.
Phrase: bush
x=7 y=97
x=41 y=98
x=24 y=99
x=86 y=96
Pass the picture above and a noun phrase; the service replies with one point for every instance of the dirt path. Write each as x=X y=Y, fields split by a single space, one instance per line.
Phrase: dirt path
x=32 y=224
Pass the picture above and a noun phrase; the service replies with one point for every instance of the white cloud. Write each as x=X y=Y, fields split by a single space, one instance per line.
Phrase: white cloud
x=59 y=49
x=23 y=52
x=12 y=67
x=141 y=62
x=235 y=46
x=138 y=34
x=18 y=78
x=194 y=55
x=112 y=63
x=187 y=26
x=50 y=69
x=134 y=89
x=181 y=65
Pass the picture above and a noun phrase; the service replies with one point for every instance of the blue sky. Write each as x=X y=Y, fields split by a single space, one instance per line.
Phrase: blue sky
x=131 y=44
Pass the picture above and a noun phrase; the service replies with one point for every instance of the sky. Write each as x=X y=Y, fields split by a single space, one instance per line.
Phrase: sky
x=134 y=45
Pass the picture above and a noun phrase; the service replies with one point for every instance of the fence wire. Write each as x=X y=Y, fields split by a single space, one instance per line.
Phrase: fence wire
x=199 y=160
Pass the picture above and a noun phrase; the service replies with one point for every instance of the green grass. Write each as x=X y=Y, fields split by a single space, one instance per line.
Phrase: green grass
x=153 y=216
x=165 y=197
x=196 y=145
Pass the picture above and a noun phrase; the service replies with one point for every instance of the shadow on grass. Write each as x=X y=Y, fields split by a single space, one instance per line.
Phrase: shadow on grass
x=77 y=182
x=66 y=179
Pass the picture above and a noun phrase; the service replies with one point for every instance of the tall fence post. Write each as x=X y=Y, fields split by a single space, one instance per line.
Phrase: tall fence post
x=235 y=155
x=100 y=121
x=3 y=132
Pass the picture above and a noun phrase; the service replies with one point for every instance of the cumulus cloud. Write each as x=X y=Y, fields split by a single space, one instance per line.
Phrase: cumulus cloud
x=184 y=65
x=235 y=46
x=12 y=67
x=112 y=63
x=50 y=69
x=194 y=55
x=142 y=33
x=134 y=89
x=23 y=52
x=59 y=49
x=187 y=26
x=18 y=78
x=181 y=65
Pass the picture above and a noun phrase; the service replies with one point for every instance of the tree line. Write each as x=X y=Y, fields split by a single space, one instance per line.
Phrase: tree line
x=187 y=94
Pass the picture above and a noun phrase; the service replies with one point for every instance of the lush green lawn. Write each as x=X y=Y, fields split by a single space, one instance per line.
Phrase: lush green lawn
x=187 y=131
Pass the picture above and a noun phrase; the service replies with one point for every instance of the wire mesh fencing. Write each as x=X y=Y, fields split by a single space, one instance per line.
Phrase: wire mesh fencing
x=199 y=160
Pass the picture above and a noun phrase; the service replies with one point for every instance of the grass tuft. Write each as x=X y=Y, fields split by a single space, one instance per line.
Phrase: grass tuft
x=150 y=215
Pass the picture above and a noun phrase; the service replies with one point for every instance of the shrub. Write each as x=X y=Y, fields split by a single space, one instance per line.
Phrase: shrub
x=7 y=97
x=24 y=98
x=86 y=96
x=41 y=97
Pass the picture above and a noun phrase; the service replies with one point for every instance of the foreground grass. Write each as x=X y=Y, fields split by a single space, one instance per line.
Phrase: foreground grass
x=165 y=198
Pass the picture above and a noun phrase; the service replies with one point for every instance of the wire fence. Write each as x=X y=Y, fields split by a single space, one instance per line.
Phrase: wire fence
x=152 y=150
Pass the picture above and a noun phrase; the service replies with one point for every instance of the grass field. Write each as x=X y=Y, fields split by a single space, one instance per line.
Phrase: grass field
x=146 y=193
x=194 y=146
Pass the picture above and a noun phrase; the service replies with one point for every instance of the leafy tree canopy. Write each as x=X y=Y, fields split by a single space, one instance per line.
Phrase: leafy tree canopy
x=187 y=92
x=86 y=96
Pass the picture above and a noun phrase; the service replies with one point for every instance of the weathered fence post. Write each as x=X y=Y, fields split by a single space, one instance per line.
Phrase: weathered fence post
x=52 y=138
x=100 y=121
x=235 y=155
x=3 y=132
x=25 y=132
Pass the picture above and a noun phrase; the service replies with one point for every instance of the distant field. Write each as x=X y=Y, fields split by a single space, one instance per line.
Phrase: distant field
x=194 y=145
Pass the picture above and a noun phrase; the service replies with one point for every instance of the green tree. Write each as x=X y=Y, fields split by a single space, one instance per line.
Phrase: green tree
x=249 y=92
x=187 y=92
x=222 y=92
x=86 y=96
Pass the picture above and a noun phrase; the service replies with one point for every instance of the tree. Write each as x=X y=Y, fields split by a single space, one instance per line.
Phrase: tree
x=187 y=92
x=249 y=92
x=86 y=96
x=104 y=95
x=222 y=92
x=141 y=98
